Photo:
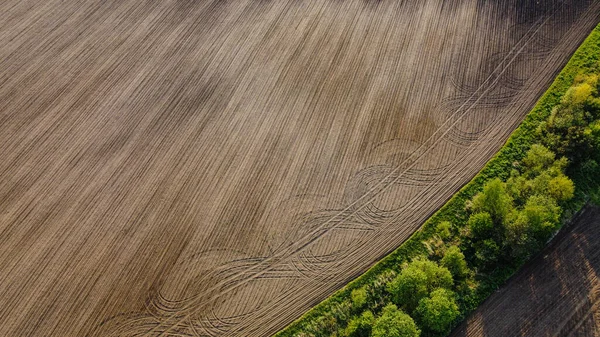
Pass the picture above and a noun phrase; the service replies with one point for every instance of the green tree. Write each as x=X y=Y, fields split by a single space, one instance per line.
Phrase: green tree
x=592 y=132
x=437 y=277
x=542 y=215
x=486 y=252
x=561 y=188
x=518 y=187
x=454 y=260
x=578 y=94
x=538 y=158
x=495 y=200
x=517 y=236
x=569 y=130
x=532 y=226
x=360 y=326
x=394 y=323
x=438 y=312
x=545 y=177
x=409 y=287
x=589 y=170
x=416 y=281
x=481 y=226
x=539 y=185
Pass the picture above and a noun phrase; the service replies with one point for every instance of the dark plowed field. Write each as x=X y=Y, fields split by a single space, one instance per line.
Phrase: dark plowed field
x=556 y=294
x=216 y=167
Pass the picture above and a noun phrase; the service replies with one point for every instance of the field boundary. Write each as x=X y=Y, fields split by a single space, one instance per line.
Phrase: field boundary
x=499 y=166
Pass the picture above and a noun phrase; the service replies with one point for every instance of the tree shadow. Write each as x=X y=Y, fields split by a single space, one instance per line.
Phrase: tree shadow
x=555 y=294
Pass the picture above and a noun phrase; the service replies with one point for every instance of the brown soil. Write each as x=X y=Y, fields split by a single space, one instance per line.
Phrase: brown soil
x=555 y=294
x=215 y=168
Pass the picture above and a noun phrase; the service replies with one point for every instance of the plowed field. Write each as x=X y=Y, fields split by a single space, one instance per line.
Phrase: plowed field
x=555 y=294
x=217 y=167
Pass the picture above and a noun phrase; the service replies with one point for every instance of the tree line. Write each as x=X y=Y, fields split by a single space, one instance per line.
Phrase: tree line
x=507 y=213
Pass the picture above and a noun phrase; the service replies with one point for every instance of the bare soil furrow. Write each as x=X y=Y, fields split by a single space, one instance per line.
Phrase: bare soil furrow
x=215 y=168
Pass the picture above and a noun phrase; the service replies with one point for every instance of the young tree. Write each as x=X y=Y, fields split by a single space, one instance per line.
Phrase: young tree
x=568 y=131
x=518 y=187
x=539 y=185
x=543 y=175
x=437 y=277
x=454 y=260
x=592 y=131
x=394 y=323
x=533 y=225
x=494 y=200
x=439 y=311
x=589 y=170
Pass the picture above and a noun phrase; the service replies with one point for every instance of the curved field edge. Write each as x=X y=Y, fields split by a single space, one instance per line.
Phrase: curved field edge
x=582 y=61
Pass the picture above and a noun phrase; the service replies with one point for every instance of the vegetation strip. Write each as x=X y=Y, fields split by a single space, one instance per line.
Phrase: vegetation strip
x=554 y=294
x=489 y=228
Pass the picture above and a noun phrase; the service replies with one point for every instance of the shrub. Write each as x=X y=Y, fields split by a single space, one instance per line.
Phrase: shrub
x=577 y=94
x=572 y=129
x=409 y=287
x=542 y=178
x=359 y=298
x=443 y=230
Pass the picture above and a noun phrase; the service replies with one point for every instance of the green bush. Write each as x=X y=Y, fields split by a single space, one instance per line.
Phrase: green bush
x=542 y=215
x=443 y=229
x=487 y=253
x=359 y=298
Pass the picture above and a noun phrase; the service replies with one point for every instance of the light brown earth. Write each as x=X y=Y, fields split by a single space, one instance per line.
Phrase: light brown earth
x=217 y=167
x=555 y=294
